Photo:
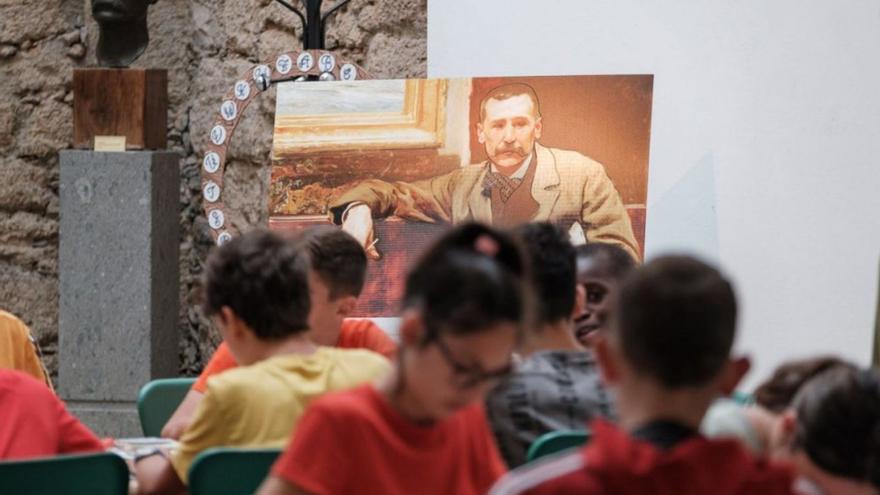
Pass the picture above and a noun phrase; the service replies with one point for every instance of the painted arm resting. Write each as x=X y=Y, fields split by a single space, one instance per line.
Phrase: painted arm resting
x=604 y=217
x=427 y=200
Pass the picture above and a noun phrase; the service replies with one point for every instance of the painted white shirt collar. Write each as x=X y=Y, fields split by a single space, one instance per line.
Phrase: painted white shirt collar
x=521 y=171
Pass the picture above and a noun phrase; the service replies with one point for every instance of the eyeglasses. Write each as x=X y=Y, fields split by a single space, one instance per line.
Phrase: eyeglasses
x=470 y=376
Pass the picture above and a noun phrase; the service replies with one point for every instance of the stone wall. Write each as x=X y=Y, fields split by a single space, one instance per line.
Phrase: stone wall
x=205 y=45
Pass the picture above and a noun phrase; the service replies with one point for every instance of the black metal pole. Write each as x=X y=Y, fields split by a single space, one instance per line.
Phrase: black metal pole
x=314 y=35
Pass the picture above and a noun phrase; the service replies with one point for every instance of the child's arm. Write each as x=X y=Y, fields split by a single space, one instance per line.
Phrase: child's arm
x=277 y=486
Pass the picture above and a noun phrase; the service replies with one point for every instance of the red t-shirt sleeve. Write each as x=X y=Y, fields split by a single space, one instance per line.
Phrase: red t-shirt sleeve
x=361 y=333
x=494 y=467
x=73 y=436
x=313 y=457
x=379 y=341
x=221 y=361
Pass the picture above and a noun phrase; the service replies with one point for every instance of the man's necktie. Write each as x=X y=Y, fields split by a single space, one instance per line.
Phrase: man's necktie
x=501 y=183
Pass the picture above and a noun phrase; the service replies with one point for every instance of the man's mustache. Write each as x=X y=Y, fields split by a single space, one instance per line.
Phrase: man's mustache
x=510 y=149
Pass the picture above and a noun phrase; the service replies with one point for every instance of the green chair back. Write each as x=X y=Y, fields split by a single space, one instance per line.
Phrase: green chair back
x=230 y=471
x=158 y=400
x=556 y=441
x=90 y=474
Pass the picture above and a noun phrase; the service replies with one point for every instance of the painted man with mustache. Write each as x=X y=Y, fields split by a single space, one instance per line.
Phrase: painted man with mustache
x=522 y=181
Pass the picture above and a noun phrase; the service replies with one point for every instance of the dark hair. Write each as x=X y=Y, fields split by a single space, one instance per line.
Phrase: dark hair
x=507 y=91
x=676 y=320
x=552 y=269
x=468 y=280
x=777 y=393
x=338 y=258
x=263 y=278
x=612 y=259
x=838 y=423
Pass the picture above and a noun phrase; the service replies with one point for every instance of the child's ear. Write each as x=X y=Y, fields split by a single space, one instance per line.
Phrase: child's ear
x=234 y=325
x=412 y=329
x=787 y=426
x=345 y=306
x=605 y=357
x=226 y=315
x=733 y=373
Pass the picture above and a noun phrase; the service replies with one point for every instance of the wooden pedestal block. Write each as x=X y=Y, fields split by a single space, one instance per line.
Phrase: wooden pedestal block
x=121 y=102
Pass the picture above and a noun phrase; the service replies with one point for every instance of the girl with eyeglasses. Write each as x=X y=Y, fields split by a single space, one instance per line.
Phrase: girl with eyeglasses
x=423 y=429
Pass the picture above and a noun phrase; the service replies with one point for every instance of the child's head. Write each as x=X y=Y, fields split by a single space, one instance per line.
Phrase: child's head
x=777 y=393
x=463 y=311
x=672 y=330
x=833 y=430
x=600 y=268
x=552 y=275
x=339 y=266
x=256 y=290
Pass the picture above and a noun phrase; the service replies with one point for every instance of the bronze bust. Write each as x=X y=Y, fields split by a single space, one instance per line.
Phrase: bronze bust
x=122 y=36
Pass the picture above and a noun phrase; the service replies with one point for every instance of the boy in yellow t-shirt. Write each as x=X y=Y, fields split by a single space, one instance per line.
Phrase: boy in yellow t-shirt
x=256 y=292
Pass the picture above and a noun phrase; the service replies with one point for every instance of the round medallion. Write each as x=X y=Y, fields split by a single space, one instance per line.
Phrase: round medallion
x=326 y=62
x=211 y=162
x=228 y=110
x=262 y=71
x=305 y=61
x=283 y=64
x=218 y=135
x=215 y=219
x=348 y=72
x=242 y=90
x=223 y=238
x=211 y=191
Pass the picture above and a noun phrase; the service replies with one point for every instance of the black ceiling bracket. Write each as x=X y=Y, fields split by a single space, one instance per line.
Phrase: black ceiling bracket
x=313 y=21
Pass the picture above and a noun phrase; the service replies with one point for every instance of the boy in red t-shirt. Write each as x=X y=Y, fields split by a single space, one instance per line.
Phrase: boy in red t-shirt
x=422 y=430
x=666 y=354
x=339 y=266
x=35 y=423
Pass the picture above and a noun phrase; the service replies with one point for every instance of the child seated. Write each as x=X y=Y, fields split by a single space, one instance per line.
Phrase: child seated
x=423 y=429
x=831 y=433
x=338 y=267
x=557 y=384
x=35 y=423
x=600 y=268
x=756 y=425
x=257 y=293
x=666 y=355
x=18 y=350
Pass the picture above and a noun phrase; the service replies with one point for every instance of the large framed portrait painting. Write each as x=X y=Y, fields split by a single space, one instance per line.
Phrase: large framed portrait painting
x=395 y=162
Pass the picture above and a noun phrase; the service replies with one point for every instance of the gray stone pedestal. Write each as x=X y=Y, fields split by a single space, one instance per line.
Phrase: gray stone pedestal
x=118 y=267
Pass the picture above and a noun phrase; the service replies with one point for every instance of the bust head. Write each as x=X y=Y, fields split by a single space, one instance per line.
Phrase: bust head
x=123 y=33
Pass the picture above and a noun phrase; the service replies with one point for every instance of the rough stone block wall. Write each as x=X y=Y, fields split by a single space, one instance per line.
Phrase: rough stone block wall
x=205 y=45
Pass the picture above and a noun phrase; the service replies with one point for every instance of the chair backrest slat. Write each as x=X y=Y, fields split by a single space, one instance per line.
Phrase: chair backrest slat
x=158 y=400
x=89 y=474
x=230 y=471
x=556 y=441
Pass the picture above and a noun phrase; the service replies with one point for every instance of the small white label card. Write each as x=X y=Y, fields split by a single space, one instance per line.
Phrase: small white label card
x=109 y=143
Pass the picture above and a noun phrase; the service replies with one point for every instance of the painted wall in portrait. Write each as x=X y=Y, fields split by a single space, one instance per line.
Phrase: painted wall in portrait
x=411 y=151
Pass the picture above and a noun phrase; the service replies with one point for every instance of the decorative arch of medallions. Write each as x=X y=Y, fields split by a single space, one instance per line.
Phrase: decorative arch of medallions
x=297 y=65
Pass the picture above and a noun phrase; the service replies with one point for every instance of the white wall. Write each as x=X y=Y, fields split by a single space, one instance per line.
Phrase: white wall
x=765 y=150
